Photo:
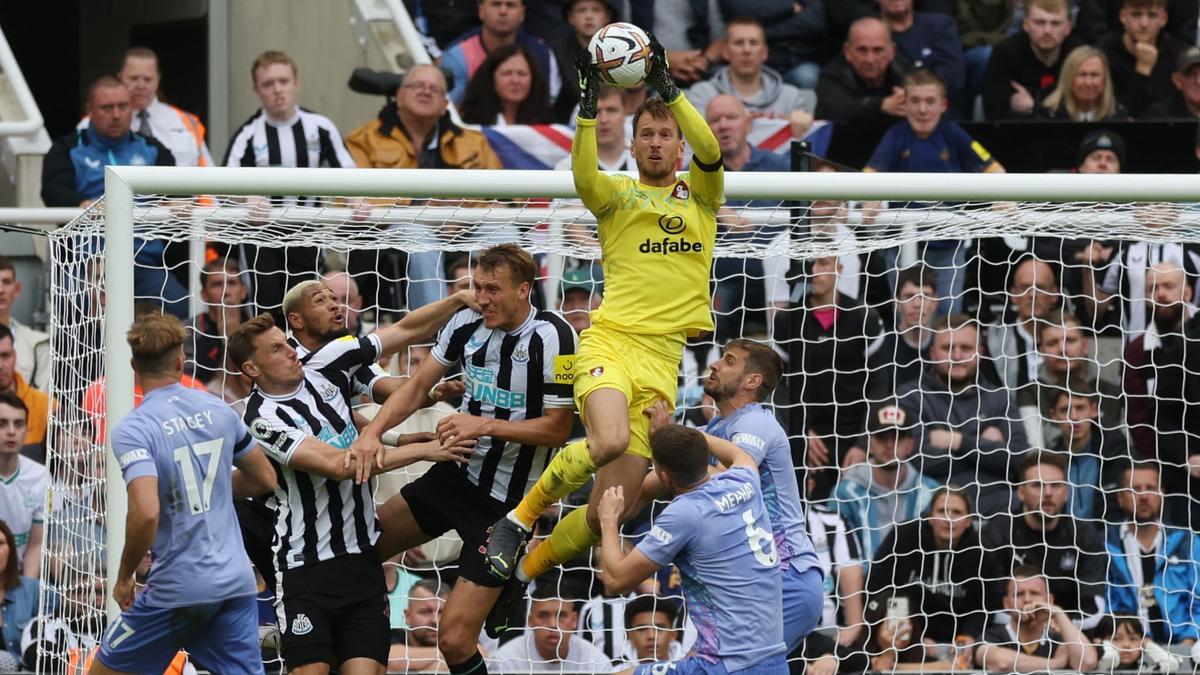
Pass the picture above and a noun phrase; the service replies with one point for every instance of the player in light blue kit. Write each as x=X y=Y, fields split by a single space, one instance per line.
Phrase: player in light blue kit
x=716 y=531
x=738 y=382
x=177 y=452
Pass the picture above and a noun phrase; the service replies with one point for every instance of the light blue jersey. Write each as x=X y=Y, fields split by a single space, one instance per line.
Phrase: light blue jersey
x=188 y=440
x=719 y=537
x=756 y=431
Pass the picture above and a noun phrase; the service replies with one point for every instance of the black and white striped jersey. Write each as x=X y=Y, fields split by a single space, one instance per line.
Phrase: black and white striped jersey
x=308 y=139
x=510 y=376
x=362 y=382
x=836 y=549
x=1126 y=278
x=316 y=518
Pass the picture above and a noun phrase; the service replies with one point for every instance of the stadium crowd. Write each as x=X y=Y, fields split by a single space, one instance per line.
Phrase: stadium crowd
x=996 y=440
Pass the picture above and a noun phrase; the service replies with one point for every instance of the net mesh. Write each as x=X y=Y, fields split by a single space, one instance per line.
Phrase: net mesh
x=1061 y=299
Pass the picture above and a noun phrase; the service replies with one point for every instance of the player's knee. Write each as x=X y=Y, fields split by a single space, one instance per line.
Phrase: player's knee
x=457 y=643
x=607 y=444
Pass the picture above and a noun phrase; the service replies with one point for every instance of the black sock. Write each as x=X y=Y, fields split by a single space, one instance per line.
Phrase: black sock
x=472 y=666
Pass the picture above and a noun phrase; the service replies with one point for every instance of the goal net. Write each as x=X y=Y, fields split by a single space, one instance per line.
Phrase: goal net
x=930 y=342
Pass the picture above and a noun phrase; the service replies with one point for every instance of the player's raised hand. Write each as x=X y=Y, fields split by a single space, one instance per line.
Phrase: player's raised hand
x=660 y=71
x=458 y=451
x=589 y=84
x=612 y=505
x=364 y=451
x=659 y=414
x=447 y=390
x=467 y=297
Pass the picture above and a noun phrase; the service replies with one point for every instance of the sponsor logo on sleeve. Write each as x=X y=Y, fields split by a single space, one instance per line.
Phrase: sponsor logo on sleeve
x=564 y=368
x=660 y=535
x=138 y=455
x=748 y=439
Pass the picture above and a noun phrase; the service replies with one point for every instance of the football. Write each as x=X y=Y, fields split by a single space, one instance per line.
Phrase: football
x=621 y=52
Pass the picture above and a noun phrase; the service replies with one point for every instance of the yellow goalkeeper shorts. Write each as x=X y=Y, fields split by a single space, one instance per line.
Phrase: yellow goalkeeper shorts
x=643 y=367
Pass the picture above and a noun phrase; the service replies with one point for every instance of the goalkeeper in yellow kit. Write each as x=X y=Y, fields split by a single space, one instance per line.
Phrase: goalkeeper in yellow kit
x=656 y=236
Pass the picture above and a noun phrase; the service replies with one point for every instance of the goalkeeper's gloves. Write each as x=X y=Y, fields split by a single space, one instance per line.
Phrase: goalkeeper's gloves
x=660 y=71
x=589 y=84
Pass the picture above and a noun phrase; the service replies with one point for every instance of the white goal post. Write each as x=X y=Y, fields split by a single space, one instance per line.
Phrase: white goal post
x=122 y=183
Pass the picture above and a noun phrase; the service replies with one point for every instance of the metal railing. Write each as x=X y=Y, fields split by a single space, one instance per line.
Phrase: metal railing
x=33 y=122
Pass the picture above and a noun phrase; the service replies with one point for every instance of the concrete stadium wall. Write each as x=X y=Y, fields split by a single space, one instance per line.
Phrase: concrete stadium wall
x=317 y=34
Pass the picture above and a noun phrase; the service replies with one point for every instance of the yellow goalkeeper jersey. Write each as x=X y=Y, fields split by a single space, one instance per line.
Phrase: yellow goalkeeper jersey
x=656 y=242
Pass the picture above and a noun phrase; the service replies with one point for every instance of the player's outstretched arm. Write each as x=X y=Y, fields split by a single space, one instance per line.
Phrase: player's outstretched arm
x=622 y=571
x=141 y=526
x=254 y=476
x=708 y=176
x=422 y=322
x=728 y=454
x=406 y=400
x=594 y=188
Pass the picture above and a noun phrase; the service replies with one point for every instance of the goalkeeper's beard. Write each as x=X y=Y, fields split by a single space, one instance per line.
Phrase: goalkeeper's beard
x=653 y=174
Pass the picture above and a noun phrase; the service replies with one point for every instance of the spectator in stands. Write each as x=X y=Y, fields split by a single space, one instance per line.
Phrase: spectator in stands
x=895 y=637
x=23 y=499
x=738 y=279
x=877 y=494
x=418 y=652
x=1037 y=635
x=417 y=133
x=1012 y=341
x=282 y=134
x=1043 y=533
x=179 y=131
x=73 y=175
x=36 y=401
x=32 y=346
x=18 y=593
x=579 y=294
x=1083 y=91
x=924 y=141
x=899 y=357
x=1025 y=63
x=1143 y=56
x=969 y=435
x=507 y=88
x=841 y=559
x=982 y=24
x=937 y=564
x=759 y=87
x=1155 y=375
x=1131 y=648
x=611 y=145
x=1184 y=104
x=585 y=17
x=1154 y=572
x=224 y=297
x=458 y=274
x=826 y=339
x=549 y=642
x=1099 y=19
x=794 y=34
x=863 y=82
x=651 y=635
x=501 y=27
x=929 y=40
x=1095 y=454
x=691 y=31
x=1067 y=365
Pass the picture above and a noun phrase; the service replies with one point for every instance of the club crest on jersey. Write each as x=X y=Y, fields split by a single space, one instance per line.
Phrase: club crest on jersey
x=597 y=371
x=301 y=625
x=681 y=191
x=328 y=391
x=520 y=354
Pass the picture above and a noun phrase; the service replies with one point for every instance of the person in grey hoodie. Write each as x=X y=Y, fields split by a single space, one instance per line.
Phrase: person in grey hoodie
x=971 y=435
x=875 y=495
x=760 y=88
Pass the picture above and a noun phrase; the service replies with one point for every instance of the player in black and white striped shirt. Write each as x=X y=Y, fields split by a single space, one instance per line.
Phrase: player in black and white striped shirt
x=283 y=134
x=519 y=367
x=331 y=589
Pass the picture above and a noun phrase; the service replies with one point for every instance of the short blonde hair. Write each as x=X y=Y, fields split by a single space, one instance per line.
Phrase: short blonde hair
x=155 y=340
